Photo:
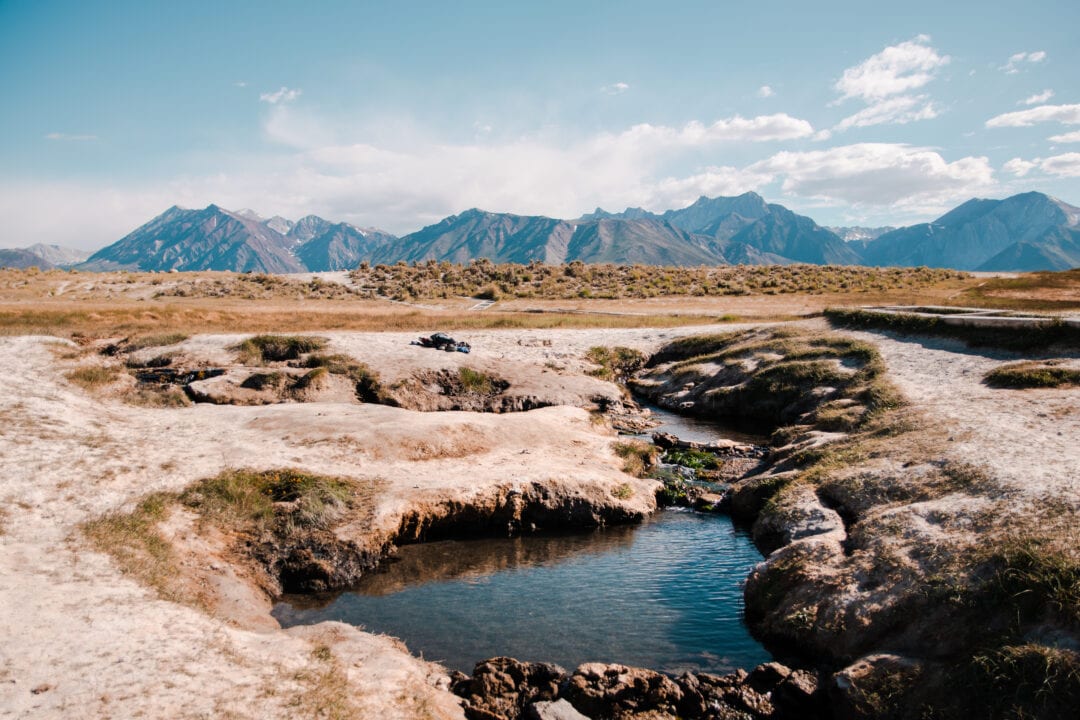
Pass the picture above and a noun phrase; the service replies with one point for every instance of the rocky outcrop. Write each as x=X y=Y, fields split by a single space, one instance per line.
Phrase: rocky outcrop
x=502 y=688
x=507 y=689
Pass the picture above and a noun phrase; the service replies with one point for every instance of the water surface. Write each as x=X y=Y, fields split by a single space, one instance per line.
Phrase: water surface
x=666 y=595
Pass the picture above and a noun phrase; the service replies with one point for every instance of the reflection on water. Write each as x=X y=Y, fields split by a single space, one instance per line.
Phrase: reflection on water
x=694 y=429
x=666 y=595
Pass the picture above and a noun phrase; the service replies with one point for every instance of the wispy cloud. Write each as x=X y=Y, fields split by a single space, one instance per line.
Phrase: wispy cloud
x=282 y=95
x=65 y=137
x=884 y=82
x=892 y=111
x=896 y=69
x=1065 y=165
x=1017 y=61
x=1069 y=137
x=615 y=88
x=763 y=128
x=1065 y=114
x=765 y=92
x=1037 y=98
x=240 y=84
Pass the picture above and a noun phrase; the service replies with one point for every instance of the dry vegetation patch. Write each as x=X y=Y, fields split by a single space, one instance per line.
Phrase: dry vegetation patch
x=276 y=522
x=1034 y=374
x=484 y=279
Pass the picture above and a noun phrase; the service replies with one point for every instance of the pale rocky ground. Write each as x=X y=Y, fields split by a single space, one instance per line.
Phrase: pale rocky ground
x=83 y=640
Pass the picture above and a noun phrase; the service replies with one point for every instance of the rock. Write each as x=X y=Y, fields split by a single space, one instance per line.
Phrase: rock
x=871 y=687
x=502 y=687
x=797 y=696
x=749 y=496
x=665 y=441
x=797 y=514
x=602 y=690
x=765 y=677
x=709 y=502
x=557 y=710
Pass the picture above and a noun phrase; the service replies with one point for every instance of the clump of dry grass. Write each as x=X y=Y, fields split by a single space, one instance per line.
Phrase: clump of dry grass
x=1033 y=374
x=369 y=387
x=638 y=457
x=253 y=499
x=93 y=377
x=325 y=689
x=277 y=348
x=141 y=342
x=137 y=545
x=268 y=507
x=615 y=363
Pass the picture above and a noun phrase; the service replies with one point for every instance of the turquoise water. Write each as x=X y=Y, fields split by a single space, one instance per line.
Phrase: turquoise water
x=666 y=595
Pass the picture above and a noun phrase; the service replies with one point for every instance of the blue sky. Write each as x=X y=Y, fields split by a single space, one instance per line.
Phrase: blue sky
x=396 y=114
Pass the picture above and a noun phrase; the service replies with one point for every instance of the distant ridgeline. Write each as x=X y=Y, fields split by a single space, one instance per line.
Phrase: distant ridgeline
x=1030 y=231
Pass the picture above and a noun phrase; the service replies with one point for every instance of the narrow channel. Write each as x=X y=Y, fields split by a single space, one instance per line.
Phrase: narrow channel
x=666 y=594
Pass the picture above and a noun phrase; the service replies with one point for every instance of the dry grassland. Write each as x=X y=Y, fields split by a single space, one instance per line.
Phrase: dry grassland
x=68 y=304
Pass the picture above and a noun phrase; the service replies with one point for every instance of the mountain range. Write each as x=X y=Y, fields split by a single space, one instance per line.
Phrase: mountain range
x=1031 y=231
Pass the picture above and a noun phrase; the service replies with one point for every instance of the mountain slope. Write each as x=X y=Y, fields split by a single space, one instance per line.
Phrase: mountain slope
x=979 y=232
x=473 y=234
x=58 y=255
x=207 y=239
x=797 y=238
x=21 y=258
x=645 y=241
x=341 y=247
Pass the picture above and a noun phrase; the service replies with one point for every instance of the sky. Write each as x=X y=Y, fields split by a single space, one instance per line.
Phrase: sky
x=395 y=115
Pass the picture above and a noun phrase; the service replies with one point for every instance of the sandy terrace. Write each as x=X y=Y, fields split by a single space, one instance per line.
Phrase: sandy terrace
x=83 y=640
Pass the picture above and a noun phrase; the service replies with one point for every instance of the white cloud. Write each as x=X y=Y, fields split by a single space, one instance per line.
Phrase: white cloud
x=1066 y=165
x=240 y=84
x=896 y=69
x=1016 y=61
x=904 y=177
x=765 y=92
x=282 y=95
x=405 y=181
x=1066 y=114
x=1037 y=98
x=763 y=128
x=1019 y=167
x=65 y=137
x=1069 y=137
x=615 y=88
x=895 y=111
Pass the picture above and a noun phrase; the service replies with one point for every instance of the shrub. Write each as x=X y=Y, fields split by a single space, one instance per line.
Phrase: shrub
x=615 y=363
